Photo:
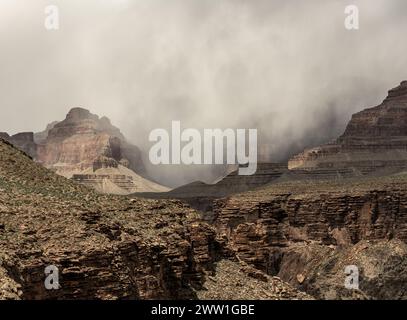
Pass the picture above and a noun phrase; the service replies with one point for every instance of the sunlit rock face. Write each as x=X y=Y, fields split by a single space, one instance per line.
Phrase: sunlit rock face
x=92 y=151
x=76 y=142
x=89 y=150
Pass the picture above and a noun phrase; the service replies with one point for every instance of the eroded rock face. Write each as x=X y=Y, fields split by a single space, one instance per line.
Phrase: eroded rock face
x=375 y=139
x=90 y=150
x=78 y=141
x=106 y=246
x=275 y=228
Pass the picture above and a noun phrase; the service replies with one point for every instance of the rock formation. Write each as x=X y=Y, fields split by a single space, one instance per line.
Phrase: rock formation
x=109 y=247
x=75 y=143
x=201 y=195
x=307 y=232
x=89 y=150
x=375 y=140
x=374 y=143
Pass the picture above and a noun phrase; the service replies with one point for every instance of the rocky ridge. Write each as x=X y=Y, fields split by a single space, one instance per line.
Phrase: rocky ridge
x=105 y=246
x=375 y=140
x=307 y=232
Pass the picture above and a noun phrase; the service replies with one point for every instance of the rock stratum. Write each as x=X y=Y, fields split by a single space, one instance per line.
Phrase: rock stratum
x=89 y=150
x=375 y=140
x=111 y=247
x=308 y=232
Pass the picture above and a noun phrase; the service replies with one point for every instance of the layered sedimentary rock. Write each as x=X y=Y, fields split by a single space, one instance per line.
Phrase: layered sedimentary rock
x=105 y=246
x=78 y=141
x=90 y=150
x=374 y=140
x=292 y=229
x=329 y=209
x=107 y=175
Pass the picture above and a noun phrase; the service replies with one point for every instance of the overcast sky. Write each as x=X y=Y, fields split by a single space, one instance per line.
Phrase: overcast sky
x=288 y=68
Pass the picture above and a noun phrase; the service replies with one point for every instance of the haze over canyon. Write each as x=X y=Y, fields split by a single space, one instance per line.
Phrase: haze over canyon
x=290 y=70
x=323 y=214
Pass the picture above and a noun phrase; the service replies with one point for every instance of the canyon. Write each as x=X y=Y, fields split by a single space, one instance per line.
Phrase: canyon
x=109 y=246
x=287 y=232
x=332 y=206
x=308 y=232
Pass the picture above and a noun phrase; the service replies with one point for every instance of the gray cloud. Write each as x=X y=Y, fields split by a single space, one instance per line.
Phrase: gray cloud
x=288 y=68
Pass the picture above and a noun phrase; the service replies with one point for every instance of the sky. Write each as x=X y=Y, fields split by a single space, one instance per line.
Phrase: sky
x=287 y=68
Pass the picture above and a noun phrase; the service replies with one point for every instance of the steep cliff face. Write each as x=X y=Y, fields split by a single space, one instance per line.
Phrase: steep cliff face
x=386 y=120
x=79 y=140
x=286 y=228
x=375 y=139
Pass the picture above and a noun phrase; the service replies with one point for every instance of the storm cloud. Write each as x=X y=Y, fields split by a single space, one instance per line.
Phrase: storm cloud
x=288 y=68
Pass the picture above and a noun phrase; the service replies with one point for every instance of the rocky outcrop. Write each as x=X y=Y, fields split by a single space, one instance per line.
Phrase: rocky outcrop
x=375 y=140
x=232 y=281
x=273 y=228
x=78 y=141
x=105 y=246
x=9 y=289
